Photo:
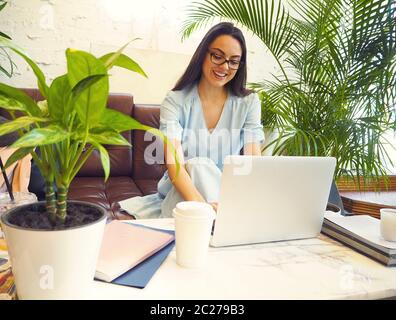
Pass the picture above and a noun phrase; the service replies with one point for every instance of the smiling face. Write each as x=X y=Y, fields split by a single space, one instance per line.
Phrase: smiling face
x=223 y=47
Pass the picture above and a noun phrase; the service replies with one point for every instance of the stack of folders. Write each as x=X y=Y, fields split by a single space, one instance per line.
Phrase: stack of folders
x=362 y=233
x=130 y=254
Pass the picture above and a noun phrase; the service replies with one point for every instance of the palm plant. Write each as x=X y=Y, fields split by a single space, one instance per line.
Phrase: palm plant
x=335 y=93
x=62 y=132
x=3 y=53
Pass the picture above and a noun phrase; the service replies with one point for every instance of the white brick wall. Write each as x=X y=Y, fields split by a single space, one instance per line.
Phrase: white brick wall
x=46 y=28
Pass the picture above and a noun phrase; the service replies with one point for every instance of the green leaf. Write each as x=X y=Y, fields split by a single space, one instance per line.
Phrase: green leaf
x=92 y=101
x=42 y=136
x=2 y=5
x=122 y=61
x=58 y=98
x=81 y=64
x=107 y=137
x=37 y=71
x=43 y=105
x=11 y=104
x=7 y=57
x=19 y=123
x=85 y=83
x=109 y=61
x=12 y=93
x=104 y=158
x=119 y=122
x=6 y=72
x=17 y=155
x=4 y=35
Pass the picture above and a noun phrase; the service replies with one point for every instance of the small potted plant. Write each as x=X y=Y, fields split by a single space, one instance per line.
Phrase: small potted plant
x=54 y=244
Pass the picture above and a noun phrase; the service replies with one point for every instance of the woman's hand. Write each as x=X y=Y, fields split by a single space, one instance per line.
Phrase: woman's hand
x=214 y=205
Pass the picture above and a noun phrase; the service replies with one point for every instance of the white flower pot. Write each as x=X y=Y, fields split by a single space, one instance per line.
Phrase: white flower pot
x=56 y=264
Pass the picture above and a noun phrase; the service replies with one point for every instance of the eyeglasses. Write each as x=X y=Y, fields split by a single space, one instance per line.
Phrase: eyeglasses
x=219 y=59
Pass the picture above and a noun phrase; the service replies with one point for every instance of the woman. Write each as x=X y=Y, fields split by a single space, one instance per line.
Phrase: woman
x=208 y=115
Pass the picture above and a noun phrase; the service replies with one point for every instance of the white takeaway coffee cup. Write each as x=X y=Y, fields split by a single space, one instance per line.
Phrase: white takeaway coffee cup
x=193 y=226
x=388 y=224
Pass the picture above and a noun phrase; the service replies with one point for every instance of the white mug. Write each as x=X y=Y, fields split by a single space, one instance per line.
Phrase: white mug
x=388 y=224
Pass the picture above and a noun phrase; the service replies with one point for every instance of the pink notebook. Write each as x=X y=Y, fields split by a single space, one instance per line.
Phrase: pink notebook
x=124 y=246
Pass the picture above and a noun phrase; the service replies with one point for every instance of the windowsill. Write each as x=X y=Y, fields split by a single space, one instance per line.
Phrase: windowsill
x=370 y=199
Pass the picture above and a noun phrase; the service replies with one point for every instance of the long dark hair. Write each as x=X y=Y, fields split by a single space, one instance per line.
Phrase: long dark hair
x=194 y=70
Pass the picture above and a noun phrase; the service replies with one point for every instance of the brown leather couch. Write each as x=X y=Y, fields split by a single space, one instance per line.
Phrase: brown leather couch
x=130 y=175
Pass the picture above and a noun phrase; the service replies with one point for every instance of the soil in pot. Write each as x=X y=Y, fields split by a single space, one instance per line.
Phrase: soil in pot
x=35 y=216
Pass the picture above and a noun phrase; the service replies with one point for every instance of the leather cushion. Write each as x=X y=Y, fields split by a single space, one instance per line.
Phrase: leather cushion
x=105 y=194
x=147 y=186
x=147 y=165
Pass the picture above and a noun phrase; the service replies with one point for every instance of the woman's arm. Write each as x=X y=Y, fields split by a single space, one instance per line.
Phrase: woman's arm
x=182 y=182
x=253 y=133
x=252 y=149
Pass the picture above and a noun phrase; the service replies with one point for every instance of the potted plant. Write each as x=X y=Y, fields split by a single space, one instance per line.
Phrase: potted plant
x=334 y=94
x=54 y=244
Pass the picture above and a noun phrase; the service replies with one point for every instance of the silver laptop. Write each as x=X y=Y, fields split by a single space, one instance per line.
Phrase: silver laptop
x=265 y=199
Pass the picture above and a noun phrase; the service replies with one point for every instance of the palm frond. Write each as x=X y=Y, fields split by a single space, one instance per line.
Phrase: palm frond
x=266 y=19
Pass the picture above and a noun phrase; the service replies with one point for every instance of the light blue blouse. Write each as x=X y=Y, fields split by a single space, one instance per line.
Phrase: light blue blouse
x=181 y=118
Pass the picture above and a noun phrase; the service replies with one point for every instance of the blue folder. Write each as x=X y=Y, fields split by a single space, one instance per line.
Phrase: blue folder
x=141 y=274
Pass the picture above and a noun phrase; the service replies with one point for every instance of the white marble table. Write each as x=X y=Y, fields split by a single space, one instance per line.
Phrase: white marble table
x=318 y=268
